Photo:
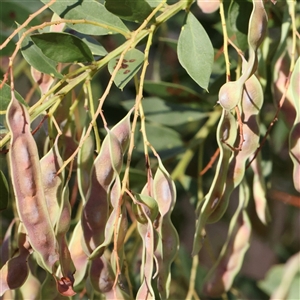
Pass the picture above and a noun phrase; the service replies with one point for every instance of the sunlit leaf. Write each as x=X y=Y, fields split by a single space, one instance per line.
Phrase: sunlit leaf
x=35 y=57
x=132 y=62
x=195 y=51
x=88 y=10
x=63 y=47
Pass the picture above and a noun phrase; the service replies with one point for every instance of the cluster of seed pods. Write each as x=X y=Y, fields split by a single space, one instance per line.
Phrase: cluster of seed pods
x=246 y=95
x=153 y=208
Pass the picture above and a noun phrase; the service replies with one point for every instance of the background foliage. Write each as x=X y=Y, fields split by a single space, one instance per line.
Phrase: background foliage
x=91 y=72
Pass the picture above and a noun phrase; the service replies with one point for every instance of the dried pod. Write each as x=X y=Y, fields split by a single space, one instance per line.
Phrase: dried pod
x=26 y=180
x=165 y=194
x=221 y=276
x=15 y=271
x=52 y=183
x=95 y=211
x=294 y=139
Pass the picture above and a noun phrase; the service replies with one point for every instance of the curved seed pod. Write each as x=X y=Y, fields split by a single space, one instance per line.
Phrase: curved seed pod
x=114 y=196
x=52 y=183
x=79 y=258
x=230 y=93
x=15 y=271
x=294 y=139
x=149 y=211
x=259 y=191
x=26 y=180
x=252 y=102
x=85 y=160
x=67 y=267
x=5 y=248
x=168 y=243
x=226 y=135
x=102 y=279
x=122 y=131
x=222 y=274
x=95 y=211
x=43 y=80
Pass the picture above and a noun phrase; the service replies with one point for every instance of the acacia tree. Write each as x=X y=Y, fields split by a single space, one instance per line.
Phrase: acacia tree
x=132 y=132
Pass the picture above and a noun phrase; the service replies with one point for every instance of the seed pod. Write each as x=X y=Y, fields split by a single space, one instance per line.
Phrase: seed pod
x=78 y=255
x=251 y=104
x=95 y=211
x=294 y=139
x=52 y=183
x=259 y=191
x=208 y=6
x=226 y=135
x=67 y=267
x=26 y=180
x=114 y=196
x=222 y=274
x=147 y=205
x=168 y=243
x=122 y=131
x=230 y=93
x=15 y=271
x=147 y=233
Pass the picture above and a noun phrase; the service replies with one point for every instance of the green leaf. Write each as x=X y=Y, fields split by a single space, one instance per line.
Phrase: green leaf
x=195 y=51
x=132 y=62
x=169 y=114
x=88 y=10
x=154 y=3
x=166 y=141
x=4 y=192
x=12 y=12
x=93 y=44
x=8 y=50
x=130 y=10
x=63 y=47
x=35 y=57
x=171 y=91
x=5 y=97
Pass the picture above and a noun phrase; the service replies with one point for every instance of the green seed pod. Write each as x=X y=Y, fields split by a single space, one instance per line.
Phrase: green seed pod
x=149 y=206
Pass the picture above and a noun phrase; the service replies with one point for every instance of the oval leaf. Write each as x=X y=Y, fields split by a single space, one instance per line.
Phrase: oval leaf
x=63 y=47
x=132 y=62
x=35 y=57
x=195 y=51
x=88 y=10
x=135 y=11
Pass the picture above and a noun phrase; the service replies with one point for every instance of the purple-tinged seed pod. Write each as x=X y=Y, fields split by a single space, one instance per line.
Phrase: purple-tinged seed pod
x=226 y=135
x=26 y=178
x=165 y=194
x=122 y=131
x=294 y=139
x=95 y=211
x=15 y=271
x=67 y=267
x=79 y=258
x=221 y=275
x=52 y=183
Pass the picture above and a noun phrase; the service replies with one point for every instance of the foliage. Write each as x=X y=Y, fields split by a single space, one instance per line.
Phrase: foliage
x=136 y=133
